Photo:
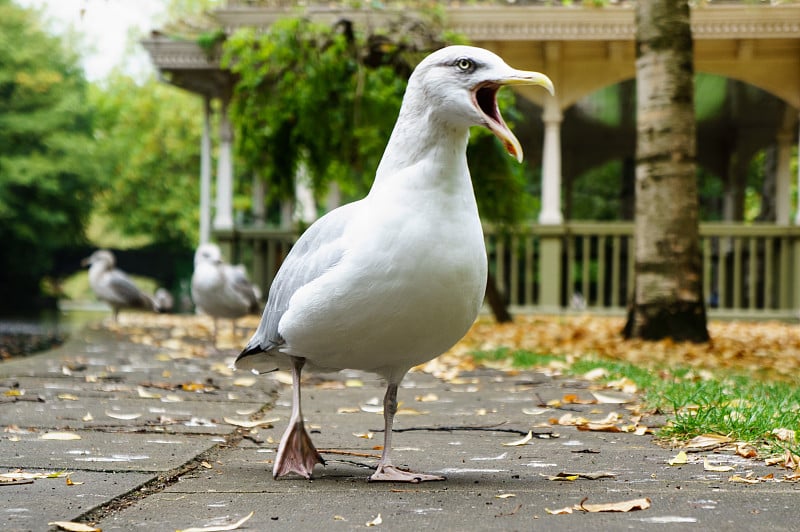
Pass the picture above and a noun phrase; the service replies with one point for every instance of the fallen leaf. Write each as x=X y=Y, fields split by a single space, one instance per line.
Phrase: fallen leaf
x=375 y=522
x=67 y=397
x=347 y=410
x=73 y=527
x=244 y=381
x=562 y=477
x=70 y=482
x=717 y=468
x=745 y=480
x=679 y=459
x=126 y=417
x=206 y=465
x=705 y=442
x=535 y=411
x=746 y=451
x=622 y=506
x=88 y=417
x=60 y=436
x=559 y=511
x=595 y=374
x=612 y=398
x=248 y=424
x=221 y=528
x=572 y=398
x=784 y=434
x=523 y=441
x=365 y=435
x=504 y=496
x=599 y=427
x=428 y=397
x=16 y=392
x=353 y=383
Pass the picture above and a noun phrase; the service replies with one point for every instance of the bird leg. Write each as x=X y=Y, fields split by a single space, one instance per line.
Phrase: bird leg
x=296 y=452
x=386 y=472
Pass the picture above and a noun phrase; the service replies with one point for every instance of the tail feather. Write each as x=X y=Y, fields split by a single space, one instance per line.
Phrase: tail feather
x=257 y=356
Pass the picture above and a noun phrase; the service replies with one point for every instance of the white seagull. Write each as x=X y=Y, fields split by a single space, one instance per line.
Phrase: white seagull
x=113 y=286
x=397 y=278
x=221 y=290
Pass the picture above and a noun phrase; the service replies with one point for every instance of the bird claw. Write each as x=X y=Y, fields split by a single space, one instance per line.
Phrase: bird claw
x=391 y=473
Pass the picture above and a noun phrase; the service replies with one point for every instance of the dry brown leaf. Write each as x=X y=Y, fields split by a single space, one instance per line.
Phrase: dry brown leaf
x=574 y=399
x=73 y=526
x=222 y=528
x=599 y=427
x=705 y=442
x=622 y=506
x=249 y=424
x=783 y=434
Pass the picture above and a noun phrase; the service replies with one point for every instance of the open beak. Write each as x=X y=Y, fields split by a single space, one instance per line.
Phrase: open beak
x=484 y=97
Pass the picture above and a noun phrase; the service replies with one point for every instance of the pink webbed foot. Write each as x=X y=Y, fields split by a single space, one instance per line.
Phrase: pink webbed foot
x=390 y=473
x=296 y=453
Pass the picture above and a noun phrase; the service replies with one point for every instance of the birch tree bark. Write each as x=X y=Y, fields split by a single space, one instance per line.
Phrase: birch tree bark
x=667 y=299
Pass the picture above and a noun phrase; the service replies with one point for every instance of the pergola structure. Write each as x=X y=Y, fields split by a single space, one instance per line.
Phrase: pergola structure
x=582 y=49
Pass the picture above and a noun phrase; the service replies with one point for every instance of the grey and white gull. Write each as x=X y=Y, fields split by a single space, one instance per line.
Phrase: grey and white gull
x=397 y=278
x=113 y=286
x=221 y=290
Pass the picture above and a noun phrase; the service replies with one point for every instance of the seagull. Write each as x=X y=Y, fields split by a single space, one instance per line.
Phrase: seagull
x=397 y=278
x=221 y=290
x=113 y=285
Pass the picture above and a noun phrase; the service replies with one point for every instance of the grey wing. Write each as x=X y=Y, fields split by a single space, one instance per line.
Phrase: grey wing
x=237 y=277
x=125 y=292
x=317 y=250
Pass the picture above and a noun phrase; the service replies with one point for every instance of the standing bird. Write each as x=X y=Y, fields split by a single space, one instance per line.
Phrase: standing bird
x=397 y=278
x=221 y=290
x=114 y=286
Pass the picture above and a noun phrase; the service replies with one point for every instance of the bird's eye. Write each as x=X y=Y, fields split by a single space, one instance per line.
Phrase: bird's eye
x=464 y=64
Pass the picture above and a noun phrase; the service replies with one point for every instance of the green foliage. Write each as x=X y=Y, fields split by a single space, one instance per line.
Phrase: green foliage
x=149 y=151
x=327 y=98
x=47 y=173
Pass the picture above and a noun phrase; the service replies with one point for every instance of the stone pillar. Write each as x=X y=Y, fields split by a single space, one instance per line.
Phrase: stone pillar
x=205 y=174
x=551 y=165
x=259 y=200
x=223 y=218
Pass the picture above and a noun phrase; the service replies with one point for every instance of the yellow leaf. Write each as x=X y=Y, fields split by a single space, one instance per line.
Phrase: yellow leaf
x=745 y=480
x=67 y=397
x=244 y=381
x=365 y=435
x=504 y=496
x=16 y=392
x=354 y=383
x=717 y=468
x=523 y=441
x=680 y=459
x=559 y=511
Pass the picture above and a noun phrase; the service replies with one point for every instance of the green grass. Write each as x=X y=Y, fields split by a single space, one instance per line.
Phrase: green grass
x=739 y=406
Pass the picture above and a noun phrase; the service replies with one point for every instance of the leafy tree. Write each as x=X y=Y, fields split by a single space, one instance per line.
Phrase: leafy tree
x=148 y=140
x=47 y=176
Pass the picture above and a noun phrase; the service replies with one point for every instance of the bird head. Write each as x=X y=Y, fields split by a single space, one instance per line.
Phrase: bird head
x=461 y=83
x=99 y=256
x=208 y=253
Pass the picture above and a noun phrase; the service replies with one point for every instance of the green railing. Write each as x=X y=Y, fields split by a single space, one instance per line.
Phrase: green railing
x=749 y=271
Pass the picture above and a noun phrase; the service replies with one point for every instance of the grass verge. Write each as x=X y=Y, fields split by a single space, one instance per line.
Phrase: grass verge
x=763 y=413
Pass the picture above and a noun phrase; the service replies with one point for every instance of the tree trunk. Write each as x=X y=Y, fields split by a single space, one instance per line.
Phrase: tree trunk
x=667 y=299
x=496 y=301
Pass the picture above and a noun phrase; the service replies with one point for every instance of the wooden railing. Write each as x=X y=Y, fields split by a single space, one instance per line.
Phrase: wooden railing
x=749 y=271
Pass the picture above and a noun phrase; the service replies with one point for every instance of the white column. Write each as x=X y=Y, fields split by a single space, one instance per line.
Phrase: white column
x=783 y=198
x=305 y=207
x=223 y=218
x=258 y=198
x=205 y=174
x=551 y=165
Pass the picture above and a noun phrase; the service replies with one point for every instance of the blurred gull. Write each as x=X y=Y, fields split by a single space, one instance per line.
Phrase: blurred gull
x=221 y=290
x=397 y=278
x=114 y=286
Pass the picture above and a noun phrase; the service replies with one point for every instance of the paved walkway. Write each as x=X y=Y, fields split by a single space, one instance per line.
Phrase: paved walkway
x=160 y=449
